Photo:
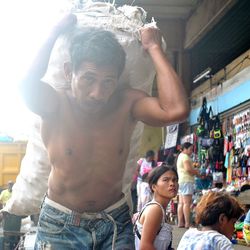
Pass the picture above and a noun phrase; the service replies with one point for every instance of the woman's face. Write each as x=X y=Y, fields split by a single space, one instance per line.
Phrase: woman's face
x=150 y=158
x=167 y=185
x=189 y=150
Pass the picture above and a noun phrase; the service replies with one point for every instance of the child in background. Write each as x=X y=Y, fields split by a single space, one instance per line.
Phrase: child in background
x=144 y=165
x=145 y=194
x=217 y=213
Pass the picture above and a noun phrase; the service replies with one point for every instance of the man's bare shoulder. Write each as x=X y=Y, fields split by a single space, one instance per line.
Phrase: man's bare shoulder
x=134 y=94
x=62 y=101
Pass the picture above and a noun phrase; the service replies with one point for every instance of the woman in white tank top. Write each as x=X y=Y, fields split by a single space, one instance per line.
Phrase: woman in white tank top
x=151 y=230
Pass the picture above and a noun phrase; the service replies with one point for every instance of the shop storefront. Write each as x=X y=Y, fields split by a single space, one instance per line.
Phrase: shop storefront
x=220 y=132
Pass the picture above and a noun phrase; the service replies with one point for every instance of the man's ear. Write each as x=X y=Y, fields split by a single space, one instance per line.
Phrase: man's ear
x=68 y=71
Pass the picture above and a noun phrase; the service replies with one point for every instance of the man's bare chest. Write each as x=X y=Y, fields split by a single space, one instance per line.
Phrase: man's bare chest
x=73 y=140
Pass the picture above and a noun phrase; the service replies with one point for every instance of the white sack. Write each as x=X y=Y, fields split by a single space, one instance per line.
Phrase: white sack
x=31 y=183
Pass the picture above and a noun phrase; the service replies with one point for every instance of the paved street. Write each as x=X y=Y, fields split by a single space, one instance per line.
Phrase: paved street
x=178 y=232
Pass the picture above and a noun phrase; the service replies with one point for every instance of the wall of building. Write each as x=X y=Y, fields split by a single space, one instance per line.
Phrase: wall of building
x=228 y=88
x=11 y=155
x=204 y=18
x=180 y=36
x=151 y=139
x=173 y=31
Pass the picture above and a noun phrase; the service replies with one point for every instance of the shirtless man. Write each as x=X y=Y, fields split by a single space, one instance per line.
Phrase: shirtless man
x=87 y=133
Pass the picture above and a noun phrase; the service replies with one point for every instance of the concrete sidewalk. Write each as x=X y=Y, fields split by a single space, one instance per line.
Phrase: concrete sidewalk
x=178 y=232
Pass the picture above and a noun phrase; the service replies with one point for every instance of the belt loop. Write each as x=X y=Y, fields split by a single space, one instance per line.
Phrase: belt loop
x=45 y=195
x=76 y=218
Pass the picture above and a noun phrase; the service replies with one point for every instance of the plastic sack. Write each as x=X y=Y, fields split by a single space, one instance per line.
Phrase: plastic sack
x=32 y=182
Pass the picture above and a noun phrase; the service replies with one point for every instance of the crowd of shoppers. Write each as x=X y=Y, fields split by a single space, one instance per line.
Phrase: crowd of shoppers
x=215 y=214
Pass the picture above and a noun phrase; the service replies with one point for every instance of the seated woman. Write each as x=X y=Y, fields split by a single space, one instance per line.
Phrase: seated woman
x=217 y=213
x=152 y=231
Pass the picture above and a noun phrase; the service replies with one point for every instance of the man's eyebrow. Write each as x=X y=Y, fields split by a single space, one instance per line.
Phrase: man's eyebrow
x=111 y=76
x=88 y=73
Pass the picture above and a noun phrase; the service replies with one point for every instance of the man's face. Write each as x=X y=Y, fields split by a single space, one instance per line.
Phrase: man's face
x=93 y=85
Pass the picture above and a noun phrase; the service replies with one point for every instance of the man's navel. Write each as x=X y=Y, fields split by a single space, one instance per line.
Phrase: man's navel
x=120 y=151
x=68 y=151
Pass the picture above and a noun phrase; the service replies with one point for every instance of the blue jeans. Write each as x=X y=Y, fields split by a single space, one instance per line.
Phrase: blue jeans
x=62 y=230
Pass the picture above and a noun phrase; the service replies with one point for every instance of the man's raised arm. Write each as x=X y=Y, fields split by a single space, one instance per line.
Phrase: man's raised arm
x=41 y=98
x=171 y=105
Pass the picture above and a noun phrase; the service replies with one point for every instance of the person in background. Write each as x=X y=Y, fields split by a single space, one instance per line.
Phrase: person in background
x=171 y=160
x=11 y=222
x=145 y=194
x=86 y=130
x=144 y=165
x=6 y=193
x=246 y=228
x=217 y=213
x=147 y=162
x=186 y=174
x=152 y=232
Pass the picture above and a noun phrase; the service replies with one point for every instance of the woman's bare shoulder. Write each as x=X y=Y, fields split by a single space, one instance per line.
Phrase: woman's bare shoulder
x=152 y=215
x=153 y=210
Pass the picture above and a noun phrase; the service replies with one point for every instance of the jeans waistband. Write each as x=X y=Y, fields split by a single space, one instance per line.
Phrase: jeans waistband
x=85 y=215
x=76 y=217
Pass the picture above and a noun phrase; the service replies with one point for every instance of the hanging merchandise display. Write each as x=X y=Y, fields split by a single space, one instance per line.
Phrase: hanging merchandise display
x=237 y=162
x=241 y=122
x=209 y=144
x=237 y=149
x=223 y=148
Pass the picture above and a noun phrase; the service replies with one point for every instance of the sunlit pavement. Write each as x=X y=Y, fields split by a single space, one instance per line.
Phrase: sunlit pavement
x=178 y=232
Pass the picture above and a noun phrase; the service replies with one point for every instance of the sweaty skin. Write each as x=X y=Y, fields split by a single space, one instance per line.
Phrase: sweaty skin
x=88 y=156
x=87 y=130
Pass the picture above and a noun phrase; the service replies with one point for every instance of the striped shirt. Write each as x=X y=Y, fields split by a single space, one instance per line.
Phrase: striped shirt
x=193 y=239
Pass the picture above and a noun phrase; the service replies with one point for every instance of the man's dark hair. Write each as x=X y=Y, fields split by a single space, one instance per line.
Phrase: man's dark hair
x=97 y=46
